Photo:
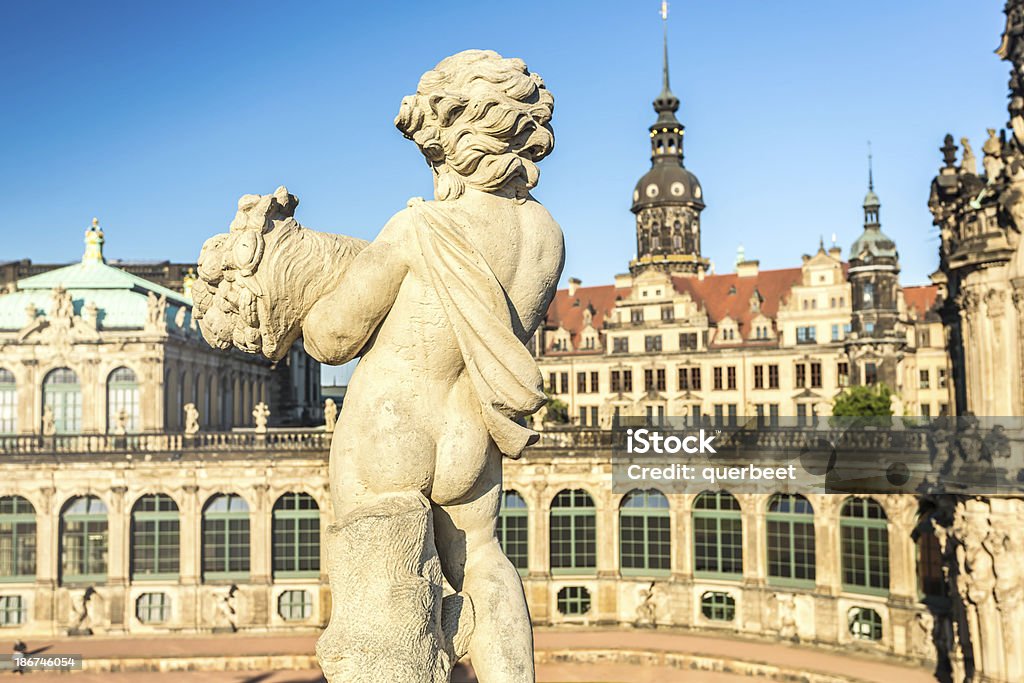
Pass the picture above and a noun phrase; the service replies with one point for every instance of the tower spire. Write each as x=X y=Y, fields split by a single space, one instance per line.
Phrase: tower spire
x=871 y=177
x=664 y=24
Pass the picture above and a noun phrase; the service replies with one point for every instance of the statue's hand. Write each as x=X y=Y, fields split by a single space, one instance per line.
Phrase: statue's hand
x=257 y=282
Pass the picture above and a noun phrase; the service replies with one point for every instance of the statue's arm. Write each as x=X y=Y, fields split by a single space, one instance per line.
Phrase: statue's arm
x=258 y=282
x=340 y=323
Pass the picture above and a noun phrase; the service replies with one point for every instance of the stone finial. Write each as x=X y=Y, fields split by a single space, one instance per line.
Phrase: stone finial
x=260 y=414
x=948 y=150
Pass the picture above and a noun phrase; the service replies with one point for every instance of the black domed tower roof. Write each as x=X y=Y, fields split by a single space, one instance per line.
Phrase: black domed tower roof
x=668 y=181
x=668 y=199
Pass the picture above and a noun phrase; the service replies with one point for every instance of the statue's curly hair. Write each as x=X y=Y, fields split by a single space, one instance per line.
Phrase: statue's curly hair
x=481 y=121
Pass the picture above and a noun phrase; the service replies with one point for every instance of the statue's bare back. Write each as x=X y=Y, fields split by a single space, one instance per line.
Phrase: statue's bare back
x=417 y=366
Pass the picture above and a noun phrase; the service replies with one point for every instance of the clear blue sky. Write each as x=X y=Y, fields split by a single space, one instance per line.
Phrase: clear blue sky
x=157 y=116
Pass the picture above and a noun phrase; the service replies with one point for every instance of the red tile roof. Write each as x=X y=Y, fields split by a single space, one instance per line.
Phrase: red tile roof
x=567 y=312
x=923 y=298
x=713 y=293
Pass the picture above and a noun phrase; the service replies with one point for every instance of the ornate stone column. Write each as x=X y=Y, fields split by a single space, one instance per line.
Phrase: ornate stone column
x=982 y=548
x=29 y=397
x=190 y=569
x=260 y=551
x=47 y=553
x=118 y=530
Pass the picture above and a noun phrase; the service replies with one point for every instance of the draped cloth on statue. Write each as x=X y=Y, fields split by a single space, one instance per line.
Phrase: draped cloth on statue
x=505 y=376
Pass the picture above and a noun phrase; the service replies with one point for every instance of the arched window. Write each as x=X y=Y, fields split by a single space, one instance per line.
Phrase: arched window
x=296 y=536
x=864 y=533
x=573 y=533
x=717 y=536
x=645 y=539
x=62 y=394
x=84 y=541
x=513 y=531
x=791 y=553
x=122 y=400
x=225 y=538
x=156 y=538
x=8 y=402
x=17 y=540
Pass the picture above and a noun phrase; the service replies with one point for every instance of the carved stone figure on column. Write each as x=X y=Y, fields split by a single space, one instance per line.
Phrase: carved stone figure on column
x=330 y=415
x=439 y=307
x=260 y=414
x=191 y=419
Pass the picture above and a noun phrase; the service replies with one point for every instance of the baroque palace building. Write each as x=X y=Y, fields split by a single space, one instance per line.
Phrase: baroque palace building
x=91 y=340
x=672 y=338
x=157 y=531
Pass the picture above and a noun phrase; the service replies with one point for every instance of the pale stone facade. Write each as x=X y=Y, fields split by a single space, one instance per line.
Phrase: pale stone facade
x=91 y=340
x=824 y=610
x=776 y=343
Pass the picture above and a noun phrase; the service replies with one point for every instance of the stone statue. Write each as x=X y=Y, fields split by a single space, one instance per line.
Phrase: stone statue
x=121 y=422
x=191 y=419
x=330 y=415
x=80 y=617
x=439 y=307
x=922 y=636
x=969 y=163
x=63 y=307
x=49 y=424
x=226 y=607
x=260 y=414
x=156 y=309
x=647 y=609
x=993 y=160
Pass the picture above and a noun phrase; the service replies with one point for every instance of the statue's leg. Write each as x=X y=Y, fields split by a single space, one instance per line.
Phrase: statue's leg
x=501 y=646
x=386 y=617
